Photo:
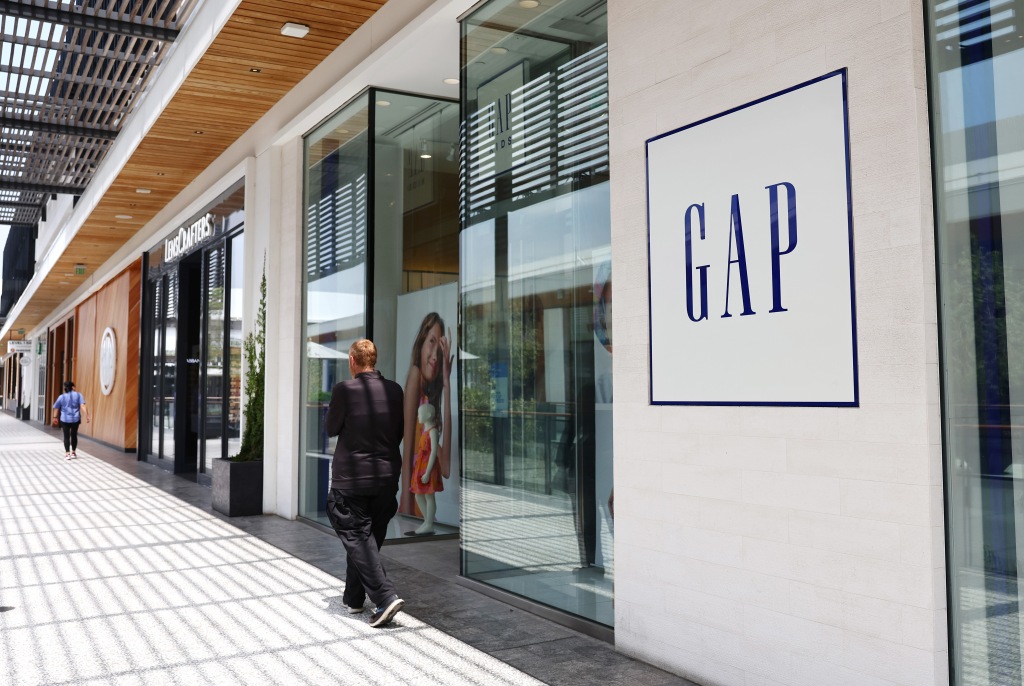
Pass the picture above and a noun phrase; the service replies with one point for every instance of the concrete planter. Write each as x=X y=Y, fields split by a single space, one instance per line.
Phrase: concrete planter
x=238 y=487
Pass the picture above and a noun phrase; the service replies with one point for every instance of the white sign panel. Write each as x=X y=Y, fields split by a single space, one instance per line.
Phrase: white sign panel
x=23 y=347
x=751 y=264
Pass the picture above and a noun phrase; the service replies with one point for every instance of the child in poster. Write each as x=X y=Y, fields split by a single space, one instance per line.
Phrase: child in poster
x=426 y=477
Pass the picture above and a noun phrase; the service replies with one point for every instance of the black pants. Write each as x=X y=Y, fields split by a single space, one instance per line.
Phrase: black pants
x=361 y=522
x=70 y=435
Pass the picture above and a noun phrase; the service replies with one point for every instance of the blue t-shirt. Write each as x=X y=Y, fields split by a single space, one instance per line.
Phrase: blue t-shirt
x=70 y=405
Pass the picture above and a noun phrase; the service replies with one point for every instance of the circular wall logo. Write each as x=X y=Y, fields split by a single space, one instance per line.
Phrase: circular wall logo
x=108 y=361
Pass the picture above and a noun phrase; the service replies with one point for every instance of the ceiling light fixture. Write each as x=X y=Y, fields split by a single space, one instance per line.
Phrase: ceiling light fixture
x=528 y=4
x=143 y=191
x=255 y=70
x=293 y=30
x=498 y=50
x=384 y=103
x=123 y=216
x=451 y=82
x=425 y=150
x=198 y=132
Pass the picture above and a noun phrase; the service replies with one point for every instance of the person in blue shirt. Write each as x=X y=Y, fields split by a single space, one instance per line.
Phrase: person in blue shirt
x=69 y=409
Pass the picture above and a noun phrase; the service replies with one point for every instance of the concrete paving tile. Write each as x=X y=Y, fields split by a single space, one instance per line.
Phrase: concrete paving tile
x=425 y=573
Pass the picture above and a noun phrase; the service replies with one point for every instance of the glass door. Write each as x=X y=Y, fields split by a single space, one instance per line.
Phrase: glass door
x=211 y=443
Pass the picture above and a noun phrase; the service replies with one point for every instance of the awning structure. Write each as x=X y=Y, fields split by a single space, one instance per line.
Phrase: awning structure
x=70 y=72
x=73 y=73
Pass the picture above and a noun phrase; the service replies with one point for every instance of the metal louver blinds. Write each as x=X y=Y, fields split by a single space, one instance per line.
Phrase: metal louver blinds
x=558 y=132
x=337 y=228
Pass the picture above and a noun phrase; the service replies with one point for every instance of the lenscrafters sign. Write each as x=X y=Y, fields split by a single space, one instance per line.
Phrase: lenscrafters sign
x=189 y=237
x=751 y=254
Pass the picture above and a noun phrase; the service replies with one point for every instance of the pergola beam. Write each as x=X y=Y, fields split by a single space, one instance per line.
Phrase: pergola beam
x=51 y=127
x=82 y=20
x=9 y=184
x=15 y=204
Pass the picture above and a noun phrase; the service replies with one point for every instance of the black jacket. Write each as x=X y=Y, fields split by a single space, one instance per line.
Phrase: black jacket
x=367 y=414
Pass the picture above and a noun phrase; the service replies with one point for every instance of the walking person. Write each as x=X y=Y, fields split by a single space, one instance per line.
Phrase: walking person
x=68 y=410
x=366 y=413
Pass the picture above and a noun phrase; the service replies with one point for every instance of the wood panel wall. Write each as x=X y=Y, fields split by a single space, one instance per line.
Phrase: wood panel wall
x=117 y=305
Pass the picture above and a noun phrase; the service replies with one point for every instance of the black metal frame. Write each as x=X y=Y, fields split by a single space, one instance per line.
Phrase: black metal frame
x=158 y=279
x=372 y=93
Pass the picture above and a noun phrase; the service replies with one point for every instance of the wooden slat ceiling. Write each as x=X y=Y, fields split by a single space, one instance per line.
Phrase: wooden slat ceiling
x=217 y=103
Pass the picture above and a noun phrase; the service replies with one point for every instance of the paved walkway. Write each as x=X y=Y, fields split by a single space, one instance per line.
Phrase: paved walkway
x=114 y=571
x=105 y=579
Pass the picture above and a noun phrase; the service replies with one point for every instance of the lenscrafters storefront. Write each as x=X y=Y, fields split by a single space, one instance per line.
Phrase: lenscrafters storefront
x=192 y=341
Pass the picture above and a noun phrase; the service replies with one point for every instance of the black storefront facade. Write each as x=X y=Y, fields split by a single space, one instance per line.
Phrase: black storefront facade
x=191 y=383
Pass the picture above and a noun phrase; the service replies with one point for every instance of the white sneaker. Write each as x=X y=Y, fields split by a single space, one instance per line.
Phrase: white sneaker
x=67 y=456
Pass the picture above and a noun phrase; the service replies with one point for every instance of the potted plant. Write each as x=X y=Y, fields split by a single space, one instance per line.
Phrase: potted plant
x=238 y=480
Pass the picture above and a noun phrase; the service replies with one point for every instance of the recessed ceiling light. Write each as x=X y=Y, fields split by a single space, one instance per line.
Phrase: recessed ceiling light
x=123 y=216
x=255 y=70
x=293 y=30
x=528 y=4
x=452 y=82
x=198 y=132
x=64 y=283
x=143 y=191
x=342 y=130
x=384 y=103
x=498 y=50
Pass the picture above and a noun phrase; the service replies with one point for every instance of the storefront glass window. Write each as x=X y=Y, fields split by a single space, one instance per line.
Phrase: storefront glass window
x=41 y=407
x=975 y=63
x=233 y=425
x=535 y=359
x=157 y=299
x=169 y=375
x=387 y=160
x=415 y=292
x=337 y=197
x=214 y=445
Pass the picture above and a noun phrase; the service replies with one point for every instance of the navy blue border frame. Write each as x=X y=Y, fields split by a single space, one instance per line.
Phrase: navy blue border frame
x=849 y=214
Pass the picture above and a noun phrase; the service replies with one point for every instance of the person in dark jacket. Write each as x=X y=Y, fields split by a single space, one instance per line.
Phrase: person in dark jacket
x=366 y=414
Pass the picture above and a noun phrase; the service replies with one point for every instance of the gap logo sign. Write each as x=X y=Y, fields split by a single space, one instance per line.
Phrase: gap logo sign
x=750 y=240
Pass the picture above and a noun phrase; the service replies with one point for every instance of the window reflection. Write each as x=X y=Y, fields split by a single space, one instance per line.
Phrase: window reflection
x=536 y=305
x=411 y=145
x=337 y=188
x=975 y=63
